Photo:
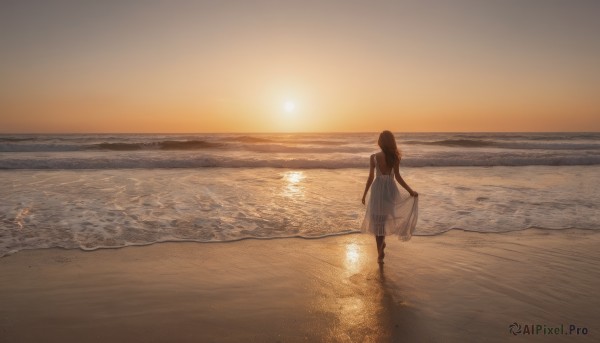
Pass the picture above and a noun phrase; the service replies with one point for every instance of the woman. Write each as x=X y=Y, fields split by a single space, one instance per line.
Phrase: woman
x=388 y=211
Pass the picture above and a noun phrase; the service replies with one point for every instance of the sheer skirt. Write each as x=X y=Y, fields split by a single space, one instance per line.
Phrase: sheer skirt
x=389 y=211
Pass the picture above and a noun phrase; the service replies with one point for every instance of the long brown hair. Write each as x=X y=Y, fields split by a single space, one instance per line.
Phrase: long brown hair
x=388 y=145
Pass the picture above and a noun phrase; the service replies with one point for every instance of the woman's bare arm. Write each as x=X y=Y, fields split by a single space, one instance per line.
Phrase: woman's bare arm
x=402 y=182
x=371 y=176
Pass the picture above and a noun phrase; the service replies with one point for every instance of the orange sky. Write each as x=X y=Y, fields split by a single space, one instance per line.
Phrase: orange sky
x=229 y=66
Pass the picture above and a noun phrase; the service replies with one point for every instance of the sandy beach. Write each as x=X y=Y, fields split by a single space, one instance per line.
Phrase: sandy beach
x=456 y=287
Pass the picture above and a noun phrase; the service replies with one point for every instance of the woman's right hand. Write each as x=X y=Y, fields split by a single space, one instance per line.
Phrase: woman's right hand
x=414 y=194
x=363 y=200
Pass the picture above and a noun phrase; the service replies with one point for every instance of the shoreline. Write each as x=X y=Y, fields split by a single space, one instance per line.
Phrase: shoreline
x=339 y=234
x=455 y=286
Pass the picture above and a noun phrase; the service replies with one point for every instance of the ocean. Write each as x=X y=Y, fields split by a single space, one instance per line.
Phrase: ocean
x=93 y=191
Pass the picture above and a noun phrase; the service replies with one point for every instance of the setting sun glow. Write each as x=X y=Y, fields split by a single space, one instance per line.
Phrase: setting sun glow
x=217 y=66
x=289 y=106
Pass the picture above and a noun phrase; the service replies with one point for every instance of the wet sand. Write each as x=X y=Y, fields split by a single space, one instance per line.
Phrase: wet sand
x=456 y=287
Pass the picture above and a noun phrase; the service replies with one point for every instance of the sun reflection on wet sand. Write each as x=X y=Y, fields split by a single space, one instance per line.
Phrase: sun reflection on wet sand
x=352 y=257
x=356 y=297
x=293 y=186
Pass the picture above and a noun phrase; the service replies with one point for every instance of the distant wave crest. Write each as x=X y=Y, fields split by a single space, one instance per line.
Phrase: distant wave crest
x=16 y=139
x=116 y=146
x=455 y=142
x=248 y=139
x=130 y=161
x=163 y=145
x=306 y=151
x=480 y=143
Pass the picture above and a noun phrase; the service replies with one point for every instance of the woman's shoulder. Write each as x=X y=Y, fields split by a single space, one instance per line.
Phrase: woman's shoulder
x=373 y=159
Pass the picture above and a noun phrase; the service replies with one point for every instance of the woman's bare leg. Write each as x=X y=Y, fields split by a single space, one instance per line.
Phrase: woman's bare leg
x=380 y=240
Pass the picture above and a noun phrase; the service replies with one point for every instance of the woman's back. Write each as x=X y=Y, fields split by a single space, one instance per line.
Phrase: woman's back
x=381 y=164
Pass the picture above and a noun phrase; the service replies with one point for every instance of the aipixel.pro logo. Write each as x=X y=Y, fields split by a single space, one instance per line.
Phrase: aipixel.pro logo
x=547 y=330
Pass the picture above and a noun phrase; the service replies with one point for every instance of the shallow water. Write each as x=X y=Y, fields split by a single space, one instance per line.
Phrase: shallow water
x=90 y=209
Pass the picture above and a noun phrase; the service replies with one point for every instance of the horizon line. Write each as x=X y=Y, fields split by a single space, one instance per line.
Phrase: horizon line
x=268 y=132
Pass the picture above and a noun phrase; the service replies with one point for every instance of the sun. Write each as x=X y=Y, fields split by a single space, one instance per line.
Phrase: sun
x=289 y=106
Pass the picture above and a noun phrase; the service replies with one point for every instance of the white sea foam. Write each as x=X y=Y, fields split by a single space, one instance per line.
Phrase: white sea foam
x=91 y=209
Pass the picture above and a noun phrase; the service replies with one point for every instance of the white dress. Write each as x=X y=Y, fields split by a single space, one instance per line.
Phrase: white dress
x=389 y=210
